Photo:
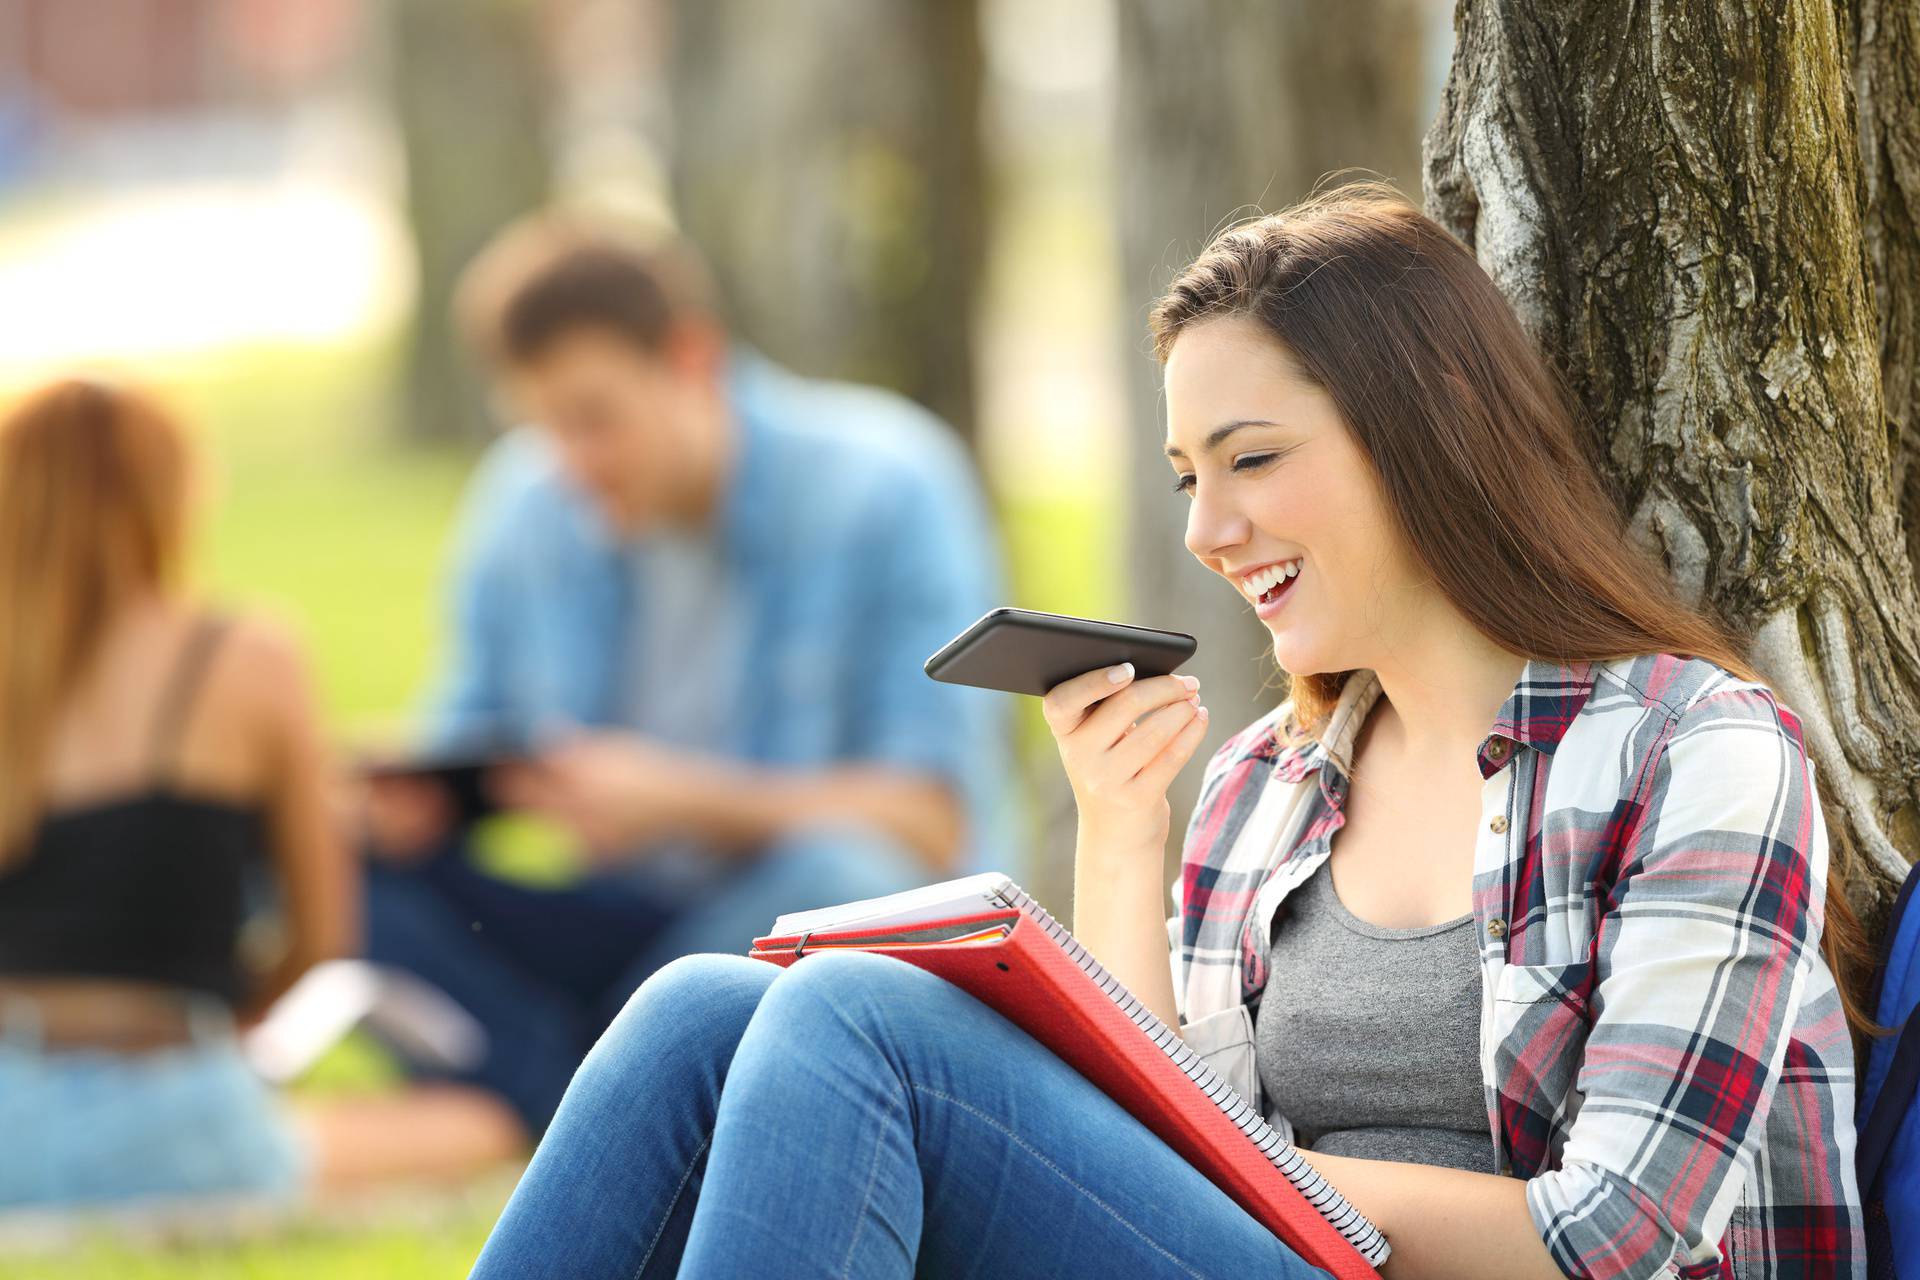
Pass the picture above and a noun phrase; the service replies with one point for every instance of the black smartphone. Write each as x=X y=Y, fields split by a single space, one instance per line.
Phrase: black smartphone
x=1023 y=651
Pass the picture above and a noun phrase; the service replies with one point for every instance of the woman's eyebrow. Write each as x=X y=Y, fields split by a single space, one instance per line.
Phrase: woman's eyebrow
x=1219 y=433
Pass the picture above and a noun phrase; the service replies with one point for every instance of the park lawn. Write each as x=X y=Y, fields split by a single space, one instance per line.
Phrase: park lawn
x=307 y=1251
x=312 y=508
x=315 y=512
x=319 y=513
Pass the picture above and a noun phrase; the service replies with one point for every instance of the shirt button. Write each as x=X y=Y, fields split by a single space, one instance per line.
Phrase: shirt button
x=1496 y=928
x=1498 y=825
x=1497 y=749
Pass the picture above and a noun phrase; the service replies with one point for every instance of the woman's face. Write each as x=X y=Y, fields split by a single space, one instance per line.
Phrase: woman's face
x=1278 y=485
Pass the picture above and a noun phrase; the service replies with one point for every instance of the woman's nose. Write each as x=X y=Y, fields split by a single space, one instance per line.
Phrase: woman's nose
x=1214 y=527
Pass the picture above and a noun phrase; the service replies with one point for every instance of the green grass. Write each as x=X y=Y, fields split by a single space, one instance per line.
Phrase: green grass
x=312 y=511
x=319 y=514
x=309 y=1252
x=315 y=512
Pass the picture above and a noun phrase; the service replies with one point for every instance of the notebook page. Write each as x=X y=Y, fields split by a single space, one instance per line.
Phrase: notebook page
x=964 y=896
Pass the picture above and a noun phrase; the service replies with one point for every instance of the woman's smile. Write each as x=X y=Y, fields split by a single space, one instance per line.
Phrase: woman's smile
x=1269 y=469
x=1268 y=585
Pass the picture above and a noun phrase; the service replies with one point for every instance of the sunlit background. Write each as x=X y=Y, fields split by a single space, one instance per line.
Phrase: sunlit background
x=259 y=207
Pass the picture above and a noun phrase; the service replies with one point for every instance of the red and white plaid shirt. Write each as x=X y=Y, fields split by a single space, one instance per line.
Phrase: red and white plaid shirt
x=1663 y=1050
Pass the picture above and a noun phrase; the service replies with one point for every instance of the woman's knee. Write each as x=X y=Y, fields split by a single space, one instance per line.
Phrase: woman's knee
x=694 y=1003
x=860 y=987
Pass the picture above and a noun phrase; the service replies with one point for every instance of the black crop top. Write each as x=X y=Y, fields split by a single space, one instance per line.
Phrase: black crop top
x=148 y=887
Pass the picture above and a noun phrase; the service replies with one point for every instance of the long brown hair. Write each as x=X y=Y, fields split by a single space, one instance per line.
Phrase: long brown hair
x=93 y=505
x=1476 y=446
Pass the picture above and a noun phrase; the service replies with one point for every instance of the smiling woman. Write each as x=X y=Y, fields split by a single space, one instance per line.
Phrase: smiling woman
x=1557 y=1007
x=1379 y=460
x=1378 y=341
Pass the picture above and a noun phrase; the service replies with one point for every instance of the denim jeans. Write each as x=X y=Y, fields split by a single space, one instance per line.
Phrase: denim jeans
x=852 y=1116
x=189 y=1123
x=545 y=971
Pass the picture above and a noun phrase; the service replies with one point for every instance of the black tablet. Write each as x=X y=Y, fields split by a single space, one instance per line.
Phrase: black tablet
x=463 y=777
x=1023 y=651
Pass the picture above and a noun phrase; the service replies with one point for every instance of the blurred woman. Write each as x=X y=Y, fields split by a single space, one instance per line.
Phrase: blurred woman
x=152 y=753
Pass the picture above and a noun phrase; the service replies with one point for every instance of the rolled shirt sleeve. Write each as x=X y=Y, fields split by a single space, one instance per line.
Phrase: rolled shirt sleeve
x=470 y=699
x=937 y=568
x=1704 y=942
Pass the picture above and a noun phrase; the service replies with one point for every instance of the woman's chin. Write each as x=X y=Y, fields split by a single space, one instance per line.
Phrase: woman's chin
x=1296 y=659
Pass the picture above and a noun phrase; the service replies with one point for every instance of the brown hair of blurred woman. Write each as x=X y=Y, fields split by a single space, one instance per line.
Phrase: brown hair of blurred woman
x=1476 y=445
x=94 y=494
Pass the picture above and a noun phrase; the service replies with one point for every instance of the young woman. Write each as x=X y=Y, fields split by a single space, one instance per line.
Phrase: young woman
x=151 y=754
x=1547 y=996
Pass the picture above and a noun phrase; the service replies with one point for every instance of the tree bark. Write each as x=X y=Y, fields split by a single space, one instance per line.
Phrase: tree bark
x=1226 y=109
x=1884 y=39
x=828 y=160
x=1672 y=198
x=470 y=93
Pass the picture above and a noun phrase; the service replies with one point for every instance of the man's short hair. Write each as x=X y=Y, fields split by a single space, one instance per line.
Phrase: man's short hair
x=550 y=274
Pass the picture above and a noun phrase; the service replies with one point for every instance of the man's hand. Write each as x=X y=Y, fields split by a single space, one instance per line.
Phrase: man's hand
x=400 y=818
x=617 y=792
x=620 y=793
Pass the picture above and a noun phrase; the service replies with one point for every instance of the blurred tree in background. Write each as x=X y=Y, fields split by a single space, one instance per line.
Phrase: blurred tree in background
x=470 y=91
x=1710 y=225
x=827 y=157
x=1226 y=109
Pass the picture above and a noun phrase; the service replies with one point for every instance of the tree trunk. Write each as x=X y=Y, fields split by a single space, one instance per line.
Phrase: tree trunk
x=828 y=160
x=1226 y=109
x=470 y=93
x=1884 y=39
x=1673 y=202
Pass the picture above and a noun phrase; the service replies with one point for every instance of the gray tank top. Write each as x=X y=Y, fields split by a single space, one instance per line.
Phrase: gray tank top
x=1368 y=1039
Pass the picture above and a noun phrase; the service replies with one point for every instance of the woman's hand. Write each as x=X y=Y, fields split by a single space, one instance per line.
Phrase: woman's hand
x=1120 y=769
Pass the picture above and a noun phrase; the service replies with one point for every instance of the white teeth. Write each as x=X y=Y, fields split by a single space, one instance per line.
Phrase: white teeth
x=1258 y=583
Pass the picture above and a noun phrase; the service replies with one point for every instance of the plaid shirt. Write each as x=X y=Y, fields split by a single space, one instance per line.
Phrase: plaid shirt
x=1663 y=1050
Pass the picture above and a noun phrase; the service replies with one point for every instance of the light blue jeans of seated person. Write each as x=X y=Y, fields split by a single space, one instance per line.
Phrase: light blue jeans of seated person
x=89 y=1128
x=852 y=1116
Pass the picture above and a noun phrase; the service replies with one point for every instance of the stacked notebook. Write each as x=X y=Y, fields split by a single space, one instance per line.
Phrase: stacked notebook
x=985 y=935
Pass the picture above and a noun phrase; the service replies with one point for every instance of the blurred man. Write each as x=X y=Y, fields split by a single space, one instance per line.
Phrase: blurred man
x=698 y=590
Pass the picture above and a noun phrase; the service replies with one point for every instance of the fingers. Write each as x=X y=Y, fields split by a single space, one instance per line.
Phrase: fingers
x=532 y=785
x=1108 y=700
x=1109 y=721
x=1143 y=743
x=1158 y=773
x=1065 y=705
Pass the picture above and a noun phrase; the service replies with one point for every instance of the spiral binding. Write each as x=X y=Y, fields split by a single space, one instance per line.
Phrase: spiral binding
x=1358 y=1230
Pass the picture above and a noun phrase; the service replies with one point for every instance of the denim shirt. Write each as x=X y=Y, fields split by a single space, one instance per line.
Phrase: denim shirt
x=1662 y=1046
x=853 y=523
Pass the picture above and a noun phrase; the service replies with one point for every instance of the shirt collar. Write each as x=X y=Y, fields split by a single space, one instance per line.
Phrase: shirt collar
x=1537 y=713
x=1334 y=745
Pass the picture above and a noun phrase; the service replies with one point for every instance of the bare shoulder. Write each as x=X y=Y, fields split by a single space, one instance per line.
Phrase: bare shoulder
x=263 y=667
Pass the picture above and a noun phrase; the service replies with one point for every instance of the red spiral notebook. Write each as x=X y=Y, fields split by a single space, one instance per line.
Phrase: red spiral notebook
x=988 y=937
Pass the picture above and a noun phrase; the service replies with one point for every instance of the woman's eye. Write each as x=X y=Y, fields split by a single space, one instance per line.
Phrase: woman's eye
x=1251 y=462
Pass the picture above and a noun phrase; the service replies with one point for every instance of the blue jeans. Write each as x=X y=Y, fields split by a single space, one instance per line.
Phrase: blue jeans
x=544 y=971
x=852 y=1116
x=186 y=1124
